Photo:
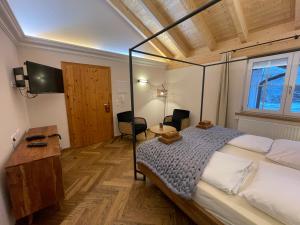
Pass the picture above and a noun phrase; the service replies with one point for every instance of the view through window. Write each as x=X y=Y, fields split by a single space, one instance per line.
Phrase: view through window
x=274 y=84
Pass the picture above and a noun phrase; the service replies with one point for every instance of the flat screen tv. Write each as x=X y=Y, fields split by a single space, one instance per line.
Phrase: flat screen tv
x=44 y=79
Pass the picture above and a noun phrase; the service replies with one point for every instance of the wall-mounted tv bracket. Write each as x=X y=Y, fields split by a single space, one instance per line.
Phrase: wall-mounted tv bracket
x=20 y=77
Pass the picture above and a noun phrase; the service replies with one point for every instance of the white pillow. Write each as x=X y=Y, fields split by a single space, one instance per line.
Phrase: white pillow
x=252 y=143
x=226 y=172
x=275 y=191
x=285 y=152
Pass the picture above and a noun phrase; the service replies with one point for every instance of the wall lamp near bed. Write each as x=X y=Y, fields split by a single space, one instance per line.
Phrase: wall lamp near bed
x=161 y=92
x=142 y=81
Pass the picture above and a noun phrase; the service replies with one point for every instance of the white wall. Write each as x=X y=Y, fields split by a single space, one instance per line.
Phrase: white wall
x=184 y=86
x=147 y=104
x=185 y=91
x=49 y=109
x=13 y=116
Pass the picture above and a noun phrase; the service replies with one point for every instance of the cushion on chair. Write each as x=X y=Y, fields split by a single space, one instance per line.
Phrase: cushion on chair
x=125 y=116
x=139 y=128
x=177 y=124
x=179 y=114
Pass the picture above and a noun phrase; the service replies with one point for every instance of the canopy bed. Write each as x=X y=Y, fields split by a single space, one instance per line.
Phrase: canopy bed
x=199 y=199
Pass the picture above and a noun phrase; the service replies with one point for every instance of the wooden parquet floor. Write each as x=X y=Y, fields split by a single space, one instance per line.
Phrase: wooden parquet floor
x=100 y=189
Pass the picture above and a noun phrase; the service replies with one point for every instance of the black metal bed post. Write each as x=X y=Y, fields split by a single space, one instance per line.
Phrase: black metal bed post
x=202 y=94
x=193 y=13
x=132 y=110
x=196 y=11
x=132 y=97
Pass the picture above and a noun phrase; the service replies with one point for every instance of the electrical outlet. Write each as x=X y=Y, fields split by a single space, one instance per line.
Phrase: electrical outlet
x=14 y=137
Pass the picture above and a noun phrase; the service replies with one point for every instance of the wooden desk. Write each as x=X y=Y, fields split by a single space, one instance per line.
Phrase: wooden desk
x=34 y=175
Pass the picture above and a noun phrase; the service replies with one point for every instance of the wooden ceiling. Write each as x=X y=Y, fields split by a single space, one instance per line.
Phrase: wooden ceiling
x=227 y=25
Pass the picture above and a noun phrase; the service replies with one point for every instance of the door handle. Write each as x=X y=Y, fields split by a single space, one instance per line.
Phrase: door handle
x=107 y=107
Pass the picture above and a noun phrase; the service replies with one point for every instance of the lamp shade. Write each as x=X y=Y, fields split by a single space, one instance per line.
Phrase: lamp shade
x=162 y=93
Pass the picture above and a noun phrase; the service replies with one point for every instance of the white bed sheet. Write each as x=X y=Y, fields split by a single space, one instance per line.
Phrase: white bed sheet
x=233 y=209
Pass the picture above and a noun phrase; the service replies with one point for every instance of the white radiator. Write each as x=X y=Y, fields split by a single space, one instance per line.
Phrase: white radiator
x=271 y=129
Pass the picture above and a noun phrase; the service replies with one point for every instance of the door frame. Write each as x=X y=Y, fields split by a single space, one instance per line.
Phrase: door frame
x=66 y=98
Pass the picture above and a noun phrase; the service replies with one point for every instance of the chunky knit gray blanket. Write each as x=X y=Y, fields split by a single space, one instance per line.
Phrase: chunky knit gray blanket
x=180 y=165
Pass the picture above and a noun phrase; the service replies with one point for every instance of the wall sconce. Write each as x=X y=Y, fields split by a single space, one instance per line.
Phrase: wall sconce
x=143 y=81
x=162 y=93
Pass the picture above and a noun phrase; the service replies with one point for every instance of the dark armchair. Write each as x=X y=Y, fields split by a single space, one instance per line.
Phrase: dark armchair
x=125 y=125
x=179 y=119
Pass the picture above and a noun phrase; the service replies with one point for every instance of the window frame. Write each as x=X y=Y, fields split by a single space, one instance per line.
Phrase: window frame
x=291 y=84
x=283 y=107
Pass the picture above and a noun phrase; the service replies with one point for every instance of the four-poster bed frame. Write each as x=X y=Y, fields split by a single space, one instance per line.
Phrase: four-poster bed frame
x=191 y=208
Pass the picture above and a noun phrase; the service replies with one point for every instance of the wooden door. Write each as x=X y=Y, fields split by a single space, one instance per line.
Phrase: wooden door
x=89 y=103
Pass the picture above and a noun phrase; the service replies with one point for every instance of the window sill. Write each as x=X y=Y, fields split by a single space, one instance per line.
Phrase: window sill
x=269 y=116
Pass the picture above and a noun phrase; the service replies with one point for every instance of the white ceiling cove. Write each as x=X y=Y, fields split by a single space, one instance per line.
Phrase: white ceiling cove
x=87 y=23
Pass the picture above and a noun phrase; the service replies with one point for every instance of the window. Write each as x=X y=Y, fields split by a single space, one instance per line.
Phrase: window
x=295 y=105
x=273 y=85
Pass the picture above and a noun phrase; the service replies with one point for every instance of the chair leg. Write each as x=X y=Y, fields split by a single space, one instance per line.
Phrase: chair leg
x=145 y=134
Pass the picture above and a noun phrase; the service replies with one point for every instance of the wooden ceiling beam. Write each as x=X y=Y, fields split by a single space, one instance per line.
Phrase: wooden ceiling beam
x=174 y=34
x=138 y=25
x=199 y=22
x=236 y=12
x=297 y=14
x=202 y=55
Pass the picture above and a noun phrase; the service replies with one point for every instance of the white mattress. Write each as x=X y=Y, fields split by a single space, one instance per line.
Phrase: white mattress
x=232 y=209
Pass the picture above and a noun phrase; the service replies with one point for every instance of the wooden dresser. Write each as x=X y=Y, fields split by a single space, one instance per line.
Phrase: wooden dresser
x=34 y=175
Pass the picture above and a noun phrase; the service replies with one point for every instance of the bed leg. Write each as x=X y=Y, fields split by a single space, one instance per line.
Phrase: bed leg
x=140 y=176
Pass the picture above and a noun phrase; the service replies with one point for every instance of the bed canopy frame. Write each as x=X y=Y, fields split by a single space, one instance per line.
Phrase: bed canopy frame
x=181 y=20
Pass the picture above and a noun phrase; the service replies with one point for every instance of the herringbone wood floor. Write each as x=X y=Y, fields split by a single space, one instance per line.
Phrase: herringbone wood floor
x=100 y=189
